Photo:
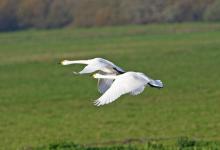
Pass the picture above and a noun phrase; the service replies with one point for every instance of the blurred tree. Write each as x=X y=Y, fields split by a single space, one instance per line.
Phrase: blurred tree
x=179 y=11
x=8 y=20
x=32 y=13
x=109 y=13
x=212 y=13
x=85 y=12
x=58 y=13
x=44 y=13
x=143 y=11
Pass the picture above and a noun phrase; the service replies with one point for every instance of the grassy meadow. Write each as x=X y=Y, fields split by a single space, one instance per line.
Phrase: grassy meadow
x=42 y=102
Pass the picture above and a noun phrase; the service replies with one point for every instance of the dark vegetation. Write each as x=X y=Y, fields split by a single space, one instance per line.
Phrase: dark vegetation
x=182 y=143
x=21 y=14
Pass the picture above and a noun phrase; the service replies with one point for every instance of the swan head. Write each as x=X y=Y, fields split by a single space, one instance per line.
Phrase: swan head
x=64 y=62
x=97 y=75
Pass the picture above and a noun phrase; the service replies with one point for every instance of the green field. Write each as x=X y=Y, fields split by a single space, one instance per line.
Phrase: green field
x=42 y=102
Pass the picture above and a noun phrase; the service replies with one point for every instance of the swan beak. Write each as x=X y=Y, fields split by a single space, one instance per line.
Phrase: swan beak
x=94 y=75
x=62 y=62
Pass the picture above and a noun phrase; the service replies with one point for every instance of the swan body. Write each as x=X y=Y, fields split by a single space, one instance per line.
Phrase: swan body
x=101 y=65
x=129 y=82
x=95 y=64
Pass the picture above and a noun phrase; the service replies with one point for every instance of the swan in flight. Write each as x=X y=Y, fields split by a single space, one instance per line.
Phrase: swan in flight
x=129 y=82
x=101 y=65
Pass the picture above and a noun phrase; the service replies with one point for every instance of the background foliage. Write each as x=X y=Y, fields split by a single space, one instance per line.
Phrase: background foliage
x=182 y=143
x=20 y=14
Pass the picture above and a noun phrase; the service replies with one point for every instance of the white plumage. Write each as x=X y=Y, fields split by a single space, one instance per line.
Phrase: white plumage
x=104 y=67
x=129 y=82
x=114 y=81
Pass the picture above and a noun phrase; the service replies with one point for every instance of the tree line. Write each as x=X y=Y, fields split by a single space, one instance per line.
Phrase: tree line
x=22 y=14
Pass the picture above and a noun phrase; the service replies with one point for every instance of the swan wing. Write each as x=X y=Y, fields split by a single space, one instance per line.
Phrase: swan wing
x=104 y=84
x=119 y=87
x=89 y=69
x=111 y=65
x=137 y=91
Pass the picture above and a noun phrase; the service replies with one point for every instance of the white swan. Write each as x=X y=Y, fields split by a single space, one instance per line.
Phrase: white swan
x=104 y=67
x=129 y=82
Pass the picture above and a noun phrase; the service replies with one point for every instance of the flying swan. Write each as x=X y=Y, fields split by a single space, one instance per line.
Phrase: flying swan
x=103 y=66
x=129 y=82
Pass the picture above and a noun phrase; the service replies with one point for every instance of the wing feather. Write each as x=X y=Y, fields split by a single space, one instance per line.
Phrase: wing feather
x=88 y=69
x=137 y=91
x=104 y=84
x=119 y=87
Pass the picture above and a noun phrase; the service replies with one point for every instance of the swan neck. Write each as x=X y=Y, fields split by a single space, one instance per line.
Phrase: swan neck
x=107 y=76
x=76 y=62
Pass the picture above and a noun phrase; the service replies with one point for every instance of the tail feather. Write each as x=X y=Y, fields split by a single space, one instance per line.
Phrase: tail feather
x=156 y=83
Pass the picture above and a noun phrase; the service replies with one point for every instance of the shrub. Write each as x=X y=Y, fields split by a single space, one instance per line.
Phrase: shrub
x=184 y=142
x=8 y=20
x=44 y=13
x=186 y=10
x=212 y=13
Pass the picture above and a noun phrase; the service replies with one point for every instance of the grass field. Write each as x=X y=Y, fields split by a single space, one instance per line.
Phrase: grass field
x=42 y=102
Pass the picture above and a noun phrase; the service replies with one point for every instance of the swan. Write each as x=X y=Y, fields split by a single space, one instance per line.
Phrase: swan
x=101 y=65
x=129 y=82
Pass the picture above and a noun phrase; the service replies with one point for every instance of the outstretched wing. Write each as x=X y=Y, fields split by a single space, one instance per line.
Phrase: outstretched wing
x=137 y=91
x=88 y=69
x=104 y=84
x=91 y=67
x=119 y=87
x=118 y=70
x=115 y=69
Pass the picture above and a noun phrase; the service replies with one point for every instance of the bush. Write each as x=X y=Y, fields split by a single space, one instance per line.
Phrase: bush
x=186 y=10
x=44 y=13
x=73 y=146
x=16 y=14
x=212 y=13
x=182 y=143
x=8 y=20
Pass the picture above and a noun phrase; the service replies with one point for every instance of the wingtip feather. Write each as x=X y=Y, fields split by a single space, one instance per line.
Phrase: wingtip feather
x=97 y=103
